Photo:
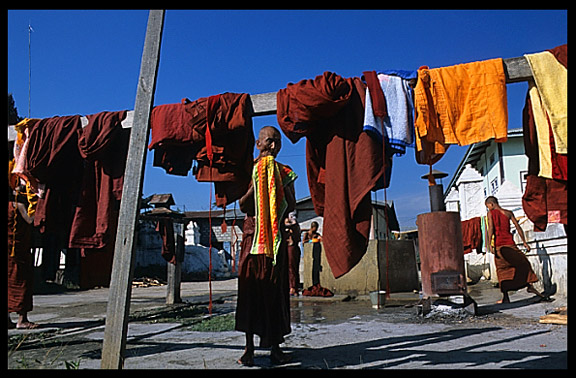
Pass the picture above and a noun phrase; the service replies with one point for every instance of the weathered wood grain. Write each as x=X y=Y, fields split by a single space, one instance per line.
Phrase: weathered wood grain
x=116 y=330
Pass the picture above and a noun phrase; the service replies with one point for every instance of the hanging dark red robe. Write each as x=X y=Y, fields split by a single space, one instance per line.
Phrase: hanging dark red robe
x=343 y=162
x=103 y=145
x=179 y=137
x=53 y=159
x=472 y=235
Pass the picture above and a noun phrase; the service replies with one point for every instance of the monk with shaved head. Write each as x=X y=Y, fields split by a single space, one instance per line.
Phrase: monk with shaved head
x=263 y=306
x=512 y=267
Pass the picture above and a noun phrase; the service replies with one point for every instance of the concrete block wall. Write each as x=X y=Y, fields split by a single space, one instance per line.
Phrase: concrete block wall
x=370 y=273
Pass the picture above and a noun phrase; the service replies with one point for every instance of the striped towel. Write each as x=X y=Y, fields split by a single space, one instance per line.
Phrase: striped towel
x=269 y=179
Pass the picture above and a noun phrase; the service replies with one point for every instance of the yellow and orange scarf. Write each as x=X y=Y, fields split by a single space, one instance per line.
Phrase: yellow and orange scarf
x=269 y=179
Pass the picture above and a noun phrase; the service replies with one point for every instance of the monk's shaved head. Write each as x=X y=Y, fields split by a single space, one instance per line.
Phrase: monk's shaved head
x=269 y=131
x=493 y=200
x=269 y=141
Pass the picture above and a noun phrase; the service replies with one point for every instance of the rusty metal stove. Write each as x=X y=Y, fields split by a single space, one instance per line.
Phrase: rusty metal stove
x=441 y=250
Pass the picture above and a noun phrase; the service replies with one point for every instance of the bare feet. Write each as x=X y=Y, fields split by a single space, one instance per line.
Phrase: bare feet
x=247 y=358
x=278 y=357
x=531 y=290
x=545 y=298
x=26 y=325
x=505 y=298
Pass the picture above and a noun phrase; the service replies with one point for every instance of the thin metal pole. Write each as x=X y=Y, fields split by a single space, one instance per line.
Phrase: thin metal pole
x=30 y=30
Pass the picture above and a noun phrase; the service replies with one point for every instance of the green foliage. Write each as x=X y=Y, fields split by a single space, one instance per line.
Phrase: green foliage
x=218 y=323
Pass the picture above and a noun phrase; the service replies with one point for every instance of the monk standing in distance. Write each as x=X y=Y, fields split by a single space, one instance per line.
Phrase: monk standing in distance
x=512 y=267
x=263 y=306
x=20 y=260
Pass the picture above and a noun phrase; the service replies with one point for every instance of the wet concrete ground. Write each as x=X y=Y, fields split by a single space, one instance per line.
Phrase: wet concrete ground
x=337 y=332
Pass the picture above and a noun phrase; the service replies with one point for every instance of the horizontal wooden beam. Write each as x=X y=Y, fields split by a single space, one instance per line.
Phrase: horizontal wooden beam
x=264 y=103
x=516 y=70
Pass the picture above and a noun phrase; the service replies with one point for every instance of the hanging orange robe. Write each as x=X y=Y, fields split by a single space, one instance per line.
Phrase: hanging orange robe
x=462 y=104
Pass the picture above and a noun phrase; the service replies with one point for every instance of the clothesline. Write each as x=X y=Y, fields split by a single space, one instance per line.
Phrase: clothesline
x=516 y=70
x=114 y=343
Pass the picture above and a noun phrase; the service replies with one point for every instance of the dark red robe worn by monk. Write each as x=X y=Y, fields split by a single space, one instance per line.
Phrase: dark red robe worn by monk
x=263 y=306
x=20 y=262
x=512 y=267
x=343 y=162
x=293 y=249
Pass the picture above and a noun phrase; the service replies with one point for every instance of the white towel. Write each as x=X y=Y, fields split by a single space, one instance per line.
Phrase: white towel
x=398 y=126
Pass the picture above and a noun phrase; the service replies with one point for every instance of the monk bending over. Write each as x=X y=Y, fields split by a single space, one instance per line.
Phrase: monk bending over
x=512 y=267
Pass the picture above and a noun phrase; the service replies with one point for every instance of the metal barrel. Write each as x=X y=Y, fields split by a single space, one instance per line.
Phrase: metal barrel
x=441 y=253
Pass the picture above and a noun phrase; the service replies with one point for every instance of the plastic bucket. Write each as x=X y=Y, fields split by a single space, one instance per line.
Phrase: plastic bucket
x=378 y=298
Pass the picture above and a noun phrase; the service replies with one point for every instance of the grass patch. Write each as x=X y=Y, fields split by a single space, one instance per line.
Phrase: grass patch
x=193 y=317
x=185 y=314
x=15 y=341
x=218 y=323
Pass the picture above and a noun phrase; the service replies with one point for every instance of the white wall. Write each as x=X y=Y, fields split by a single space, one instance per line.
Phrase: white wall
x=548 y=254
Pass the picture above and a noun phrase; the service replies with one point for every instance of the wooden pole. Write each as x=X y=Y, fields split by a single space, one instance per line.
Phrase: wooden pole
x=122 y=267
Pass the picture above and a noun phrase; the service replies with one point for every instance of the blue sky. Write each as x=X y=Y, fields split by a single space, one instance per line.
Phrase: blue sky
x=87 y=61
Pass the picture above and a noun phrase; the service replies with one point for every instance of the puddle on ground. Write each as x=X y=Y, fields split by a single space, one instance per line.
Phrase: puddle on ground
x=323 y=311
x=337 y=311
